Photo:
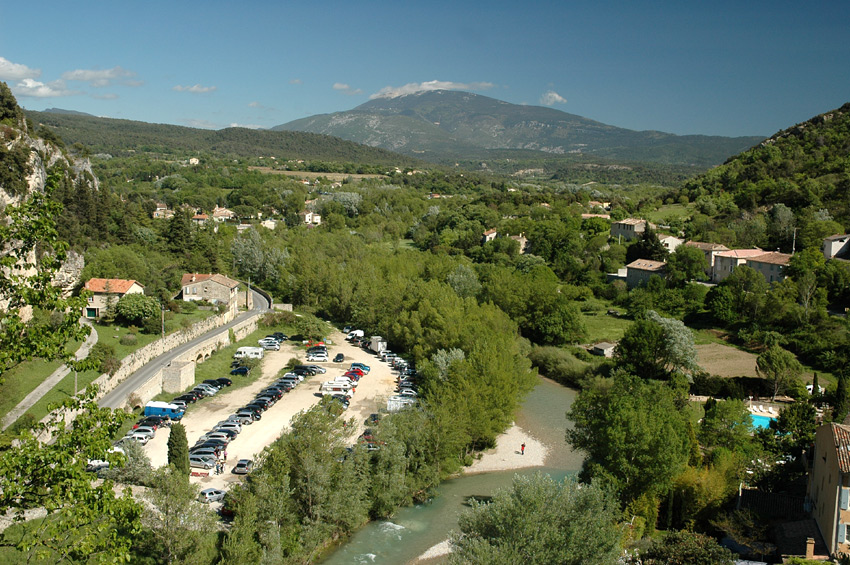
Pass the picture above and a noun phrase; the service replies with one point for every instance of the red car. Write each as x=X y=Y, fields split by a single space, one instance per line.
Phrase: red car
x=356 y=371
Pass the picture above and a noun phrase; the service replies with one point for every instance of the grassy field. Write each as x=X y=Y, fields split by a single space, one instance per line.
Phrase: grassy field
x=665 y=212
x=26 y=378
x=600 y=325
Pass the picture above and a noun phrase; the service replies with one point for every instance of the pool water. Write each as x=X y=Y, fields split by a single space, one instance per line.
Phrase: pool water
x=761 y=421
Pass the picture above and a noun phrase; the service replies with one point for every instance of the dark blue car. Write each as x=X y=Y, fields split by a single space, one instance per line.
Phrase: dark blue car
x=240 y=371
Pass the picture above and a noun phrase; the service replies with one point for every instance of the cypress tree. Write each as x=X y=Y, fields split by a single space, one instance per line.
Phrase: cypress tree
x=842 y=399
x=178 y=449
x=815 y=390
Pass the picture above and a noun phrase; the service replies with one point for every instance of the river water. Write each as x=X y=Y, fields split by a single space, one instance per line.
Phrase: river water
x=413 y=530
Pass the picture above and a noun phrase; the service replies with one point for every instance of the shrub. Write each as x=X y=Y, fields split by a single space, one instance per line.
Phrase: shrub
x=559 y=365
x=276 y=319
x=128 y=339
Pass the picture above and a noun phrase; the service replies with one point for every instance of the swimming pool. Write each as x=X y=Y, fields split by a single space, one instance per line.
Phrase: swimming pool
x=761 y=421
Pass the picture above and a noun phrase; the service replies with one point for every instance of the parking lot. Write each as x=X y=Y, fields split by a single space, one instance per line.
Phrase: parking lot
x=372 y=392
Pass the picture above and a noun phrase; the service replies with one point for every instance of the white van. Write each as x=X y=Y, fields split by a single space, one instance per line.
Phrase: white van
x=249 y=353
x=355 y=333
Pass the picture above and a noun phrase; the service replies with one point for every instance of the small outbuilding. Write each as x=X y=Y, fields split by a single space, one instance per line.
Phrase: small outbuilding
x=604 y=349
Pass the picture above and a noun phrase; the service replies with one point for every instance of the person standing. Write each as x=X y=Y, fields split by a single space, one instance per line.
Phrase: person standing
x=522 y=449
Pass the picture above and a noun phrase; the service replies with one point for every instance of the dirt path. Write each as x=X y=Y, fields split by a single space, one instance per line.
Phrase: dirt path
x=372 y=391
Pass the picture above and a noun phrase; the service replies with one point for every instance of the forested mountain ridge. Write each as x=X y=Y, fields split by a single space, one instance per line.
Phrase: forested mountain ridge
x=806 y=165
x=443 y=124
x=107 y=135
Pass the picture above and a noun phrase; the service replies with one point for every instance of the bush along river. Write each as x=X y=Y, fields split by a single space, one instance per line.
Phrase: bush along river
x=415 y=529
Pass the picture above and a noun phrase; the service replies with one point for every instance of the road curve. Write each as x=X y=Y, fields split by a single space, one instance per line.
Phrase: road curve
x=119 y=395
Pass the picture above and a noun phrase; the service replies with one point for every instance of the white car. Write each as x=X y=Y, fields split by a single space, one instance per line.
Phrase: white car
x=317 y=358
x=141 y=438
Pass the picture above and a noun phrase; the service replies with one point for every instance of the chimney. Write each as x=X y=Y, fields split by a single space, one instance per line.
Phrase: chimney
x=810 y=548
x=193 y=277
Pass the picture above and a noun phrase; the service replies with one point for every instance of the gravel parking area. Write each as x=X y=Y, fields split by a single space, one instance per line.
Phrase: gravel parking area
x=372 y=392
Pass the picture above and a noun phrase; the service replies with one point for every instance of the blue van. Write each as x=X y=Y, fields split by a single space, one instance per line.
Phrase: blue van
x=167 y=409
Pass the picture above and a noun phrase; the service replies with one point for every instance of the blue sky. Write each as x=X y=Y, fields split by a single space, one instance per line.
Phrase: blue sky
x=718 y=68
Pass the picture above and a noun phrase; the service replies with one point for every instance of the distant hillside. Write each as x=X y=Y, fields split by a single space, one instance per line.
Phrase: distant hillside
x=443 y=125
x=106 y=135
x=66 y=112
x=807 y=165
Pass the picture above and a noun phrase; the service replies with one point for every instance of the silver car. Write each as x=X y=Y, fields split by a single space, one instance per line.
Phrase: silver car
x=201 y=461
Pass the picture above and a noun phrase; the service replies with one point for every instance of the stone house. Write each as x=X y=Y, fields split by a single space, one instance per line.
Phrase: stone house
x=726 y=261
x=829 y=486
x=489 y=235
x=106 y=293
x=670 y=242
x=640 y=271
x=771 y=264
x=214 y=288
x=630 y=228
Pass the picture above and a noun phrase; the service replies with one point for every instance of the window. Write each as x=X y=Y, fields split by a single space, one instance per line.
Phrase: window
x=91 y=299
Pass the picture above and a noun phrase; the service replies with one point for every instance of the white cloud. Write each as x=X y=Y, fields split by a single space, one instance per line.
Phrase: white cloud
x=345 y=89
x=295 y=81
x=246 y=126
x=196 y=89
x=15 y=71
x=107 y=96
x=200 y=124
x=413 y=88
x=30 y=88
x=259 y=106
x=550 y=98
x=97 y=78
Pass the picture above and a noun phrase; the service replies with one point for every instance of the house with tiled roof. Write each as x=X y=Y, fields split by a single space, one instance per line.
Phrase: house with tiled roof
x=200 y=219
x=489 y=235
x=726 y=261
x=829 y=486
x=640 y=271
x=771 y=264
x=214 y=288
x=106 y=293
x=220 y=214
x=162 y=212
x=670 y=242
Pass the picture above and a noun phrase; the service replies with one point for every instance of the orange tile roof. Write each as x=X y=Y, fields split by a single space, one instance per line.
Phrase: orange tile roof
x=115 y=286
x=841 y=436
x=741 y=253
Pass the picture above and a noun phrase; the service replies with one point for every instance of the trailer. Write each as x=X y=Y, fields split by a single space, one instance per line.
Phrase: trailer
x=377 y=344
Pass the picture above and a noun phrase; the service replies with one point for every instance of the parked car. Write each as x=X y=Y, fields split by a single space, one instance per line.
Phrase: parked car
x=201 y=461
x=280 y=336
x=203 y=452
x=339 y=358
x=317 y=358
x=247 y=413
x=227 y=435
x=140 y=438
x=213 y=383
x=363 y=367
x=260 y=406
x=240 y=370
x=212 y=442
x=211 y=495
x=224 y=381
x=229 y=425
x=246 y=419
x=318 y=369
x=243 y=467
x=180 y=403
x=147 y=430
x=271 y=346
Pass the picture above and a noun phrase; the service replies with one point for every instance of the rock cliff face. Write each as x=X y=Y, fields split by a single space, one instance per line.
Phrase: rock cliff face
x=26 y=160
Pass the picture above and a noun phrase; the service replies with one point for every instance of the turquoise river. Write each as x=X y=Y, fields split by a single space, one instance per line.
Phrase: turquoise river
x=413 y=530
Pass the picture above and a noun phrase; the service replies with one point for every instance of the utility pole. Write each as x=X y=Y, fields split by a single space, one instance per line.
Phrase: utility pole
x=794 y=241
x=162 y=319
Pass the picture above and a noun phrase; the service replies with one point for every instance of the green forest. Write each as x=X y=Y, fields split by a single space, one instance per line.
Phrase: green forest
x=403 y=256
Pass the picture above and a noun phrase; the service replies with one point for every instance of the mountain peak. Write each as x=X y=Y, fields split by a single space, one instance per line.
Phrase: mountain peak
x=447 y=125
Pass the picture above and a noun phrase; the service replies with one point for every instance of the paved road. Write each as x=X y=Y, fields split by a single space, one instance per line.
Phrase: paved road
x=118 y=396
x=51 y=381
